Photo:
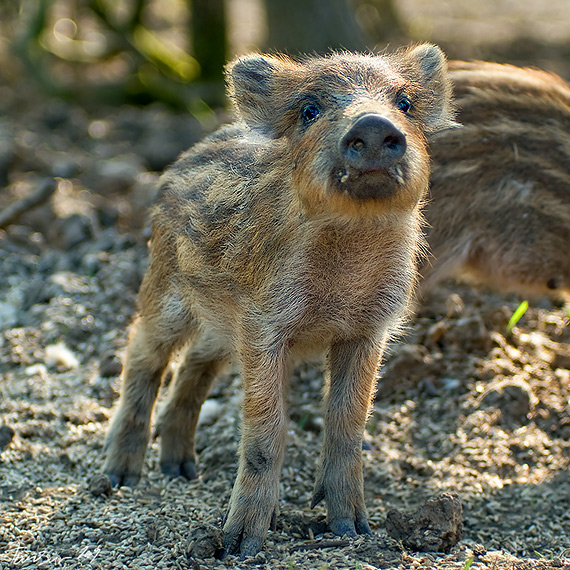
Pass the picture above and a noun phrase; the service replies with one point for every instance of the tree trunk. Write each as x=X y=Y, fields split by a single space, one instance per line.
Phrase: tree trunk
x=208 y=28
x=209 y=37
x=309 y=26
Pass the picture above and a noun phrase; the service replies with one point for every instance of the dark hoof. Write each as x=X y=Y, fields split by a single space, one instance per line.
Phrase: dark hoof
x=123 y=480
x=249 y=547
x=186 y=470
x=244 y=546
x=343 y=527
x=362 y=527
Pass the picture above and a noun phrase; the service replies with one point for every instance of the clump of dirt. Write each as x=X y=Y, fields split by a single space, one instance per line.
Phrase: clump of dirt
x=435 y=526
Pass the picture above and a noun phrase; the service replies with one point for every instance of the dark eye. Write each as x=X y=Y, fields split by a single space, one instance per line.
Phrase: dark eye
x=309 y=113
x=404 y=104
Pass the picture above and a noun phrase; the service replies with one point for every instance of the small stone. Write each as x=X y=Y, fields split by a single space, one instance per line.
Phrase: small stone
x=454 y=305
x=436 y=332
x=210 y=411
x=110 y=365
x=6 y=436
x=513 y=397
x=471 y=333
x=8 y=315
x=561 y=359
x=60 y=356
x=152 y=531
x=409 y=362
x=100 y=485
x=205 y=541
x=73 y=230
x=117 y=174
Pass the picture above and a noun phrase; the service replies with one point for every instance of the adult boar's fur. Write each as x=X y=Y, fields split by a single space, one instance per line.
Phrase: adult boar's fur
x=499 y=206
x=293 y=231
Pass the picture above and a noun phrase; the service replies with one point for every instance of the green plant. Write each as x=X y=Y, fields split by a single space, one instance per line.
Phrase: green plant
x=516 y=316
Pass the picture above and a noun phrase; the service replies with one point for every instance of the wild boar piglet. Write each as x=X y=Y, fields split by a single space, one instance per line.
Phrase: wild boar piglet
x=293 y=231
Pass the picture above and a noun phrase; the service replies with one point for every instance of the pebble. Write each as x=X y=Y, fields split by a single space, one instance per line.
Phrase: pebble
x=210 y=412
x=73 y=231
x=110 y=365
x=435 y=526
x=59 y=355
x=6 y=436
x=513 y=397
x=8 y=315
x=117 y=174
x=205 y=542
x=100 y=485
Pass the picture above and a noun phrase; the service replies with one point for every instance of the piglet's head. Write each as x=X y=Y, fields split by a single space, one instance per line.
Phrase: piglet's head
x=356 y=124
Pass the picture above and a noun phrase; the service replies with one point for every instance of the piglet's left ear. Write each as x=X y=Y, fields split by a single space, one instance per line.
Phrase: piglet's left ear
x=431 y=64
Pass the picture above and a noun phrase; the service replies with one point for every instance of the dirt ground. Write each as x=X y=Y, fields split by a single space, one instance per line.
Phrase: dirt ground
x=463 y=405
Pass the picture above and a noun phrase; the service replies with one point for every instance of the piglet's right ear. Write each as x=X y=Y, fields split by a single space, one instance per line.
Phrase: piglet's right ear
x=251 y=87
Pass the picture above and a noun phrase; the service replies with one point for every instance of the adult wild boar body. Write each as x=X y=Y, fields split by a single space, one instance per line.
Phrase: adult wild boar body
x=499 y=207
x=293 y=231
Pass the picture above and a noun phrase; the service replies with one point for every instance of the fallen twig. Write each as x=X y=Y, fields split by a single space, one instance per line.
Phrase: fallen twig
x=13 y=211
x=320 y=544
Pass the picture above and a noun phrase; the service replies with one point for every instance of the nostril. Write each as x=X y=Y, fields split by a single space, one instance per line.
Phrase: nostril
x=392 y=142
x=357 y=145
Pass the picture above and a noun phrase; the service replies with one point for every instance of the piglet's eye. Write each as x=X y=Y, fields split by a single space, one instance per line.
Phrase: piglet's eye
x=309 y=113
x=404 y=104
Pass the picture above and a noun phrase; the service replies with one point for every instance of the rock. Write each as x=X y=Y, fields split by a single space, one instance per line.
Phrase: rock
x=166 y=136
x=115 y=175
x=110 y=365
x=210 y=411
x=471 y=334
x=60 y=356
x=513 y=397
x=7 y=151
x=436 y=332
x=561 y=359
x=8 y=315
x=408 y=363
x=73 y=230
x=100 y=485
x=65 y=168
x=6 y=436
x=141 y=198
x=435 y=526
x=205 y=541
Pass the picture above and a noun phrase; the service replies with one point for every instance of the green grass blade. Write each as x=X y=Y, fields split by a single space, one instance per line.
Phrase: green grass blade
x=520 y=311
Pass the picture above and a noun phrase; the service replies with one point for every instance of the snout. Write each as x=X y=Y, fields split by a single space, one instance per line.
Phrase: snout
x=372 y=143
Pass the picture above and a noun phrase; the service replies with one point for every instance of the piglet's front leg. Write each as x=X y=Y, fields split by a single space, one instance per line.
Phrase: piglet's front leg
x=253 y=505
x=353 y=367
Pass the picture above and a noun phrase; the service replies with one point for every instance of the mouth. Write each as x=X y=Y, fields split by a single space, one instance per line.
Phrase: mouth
x=398 y=173
x=380 y=183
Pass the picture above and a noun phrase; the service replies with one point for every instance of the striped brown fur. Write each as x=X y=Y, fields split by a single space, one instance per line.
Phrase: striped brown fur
x=293 y=231
x=499 y=206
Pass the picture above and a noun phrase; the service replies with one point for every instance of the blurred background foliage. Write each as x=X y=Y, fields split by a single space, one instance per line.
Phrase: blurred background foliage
x=173 y=51
x=101 y=95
